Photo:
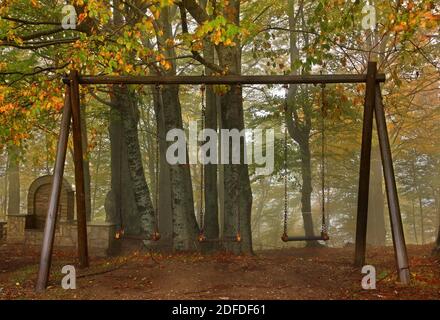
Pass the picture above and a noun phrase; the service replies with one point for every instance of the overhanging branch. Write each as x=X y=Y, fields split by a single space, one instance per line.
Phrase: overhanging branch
x=196 y=55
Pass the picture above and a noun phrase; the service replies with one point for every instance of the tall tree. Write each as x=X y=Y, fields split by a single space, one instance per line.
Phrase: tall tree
x=164 y=183
x=126 y=102
x=299 y=128
x=87 y=178
x=185 y=228
x=13 y=174
x=238 y=193
x=376 y=233
x=437 y=243
x=211 y=220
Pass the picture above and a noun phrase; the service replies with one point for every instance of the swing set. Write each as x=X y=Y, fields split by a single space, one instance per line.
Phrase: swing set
x=155 y=236
x=202 y=236
x=324 y=228
x=373 y=108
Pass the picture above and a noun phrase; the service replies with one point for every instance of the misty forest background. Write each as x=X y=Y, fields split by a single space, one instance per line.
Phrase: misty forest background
x=136 y=37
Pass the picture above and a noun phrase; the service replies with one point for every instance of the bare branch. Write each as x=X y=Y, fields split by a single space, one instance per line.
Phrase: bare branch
x=36 y=71
x=38 y=45
x=37 y=35
x=33 y=23
x=99 y=99
x=196 y=55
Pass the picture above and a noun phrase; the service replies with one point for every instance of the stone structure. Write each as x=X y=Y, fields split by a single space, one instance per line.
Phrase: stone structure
x=38 y=202
x=28 y=228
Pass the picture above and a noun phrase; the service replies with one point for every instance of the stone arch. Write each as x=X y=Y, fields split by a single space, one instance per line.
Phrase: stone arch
x=38 y=201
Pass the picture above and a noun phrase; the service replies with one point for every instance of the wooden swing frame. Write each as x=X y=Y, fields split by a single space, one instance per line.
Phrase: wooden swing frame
x=373 y=107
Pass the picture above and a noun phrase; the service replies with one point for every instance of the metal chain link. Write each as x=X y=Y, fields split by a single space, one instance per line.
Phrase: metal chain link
x=324 y=227
x=156 y=234
x=285 y=163
x=202 y=175
x=238 y=203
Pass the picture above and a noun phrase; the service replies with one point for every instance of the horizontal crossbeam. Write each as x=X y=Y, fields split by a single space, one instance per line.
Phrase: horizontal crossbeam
x=230 y=79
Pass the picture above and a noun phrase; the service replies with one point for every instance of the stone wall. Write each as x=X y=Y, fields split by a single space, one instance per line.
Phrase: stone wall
x=101 y=236
x=28 y=229
x=15 y=228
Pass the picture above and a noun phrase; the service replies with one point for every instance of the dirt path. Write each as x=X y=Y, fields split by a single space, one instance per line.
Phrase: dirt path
x=279 y=274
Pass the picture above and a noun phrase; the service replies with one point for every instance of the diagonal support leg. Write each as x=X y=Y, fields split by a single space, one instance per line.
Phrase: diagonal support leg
x=392 y=196
x=81 y=214
x=364 y=171
x=49 y=228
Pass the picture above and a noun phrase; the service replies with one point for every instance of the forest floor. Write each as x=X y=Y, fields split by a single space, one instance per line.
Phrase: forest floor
x=294 y=273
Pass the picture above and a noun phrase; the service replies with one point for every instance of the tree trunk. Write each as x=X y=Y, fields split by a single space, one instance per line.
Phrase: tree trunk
x=221 y=175
x=237 y=188
x=422 y=218
x=185 y=228
x=299 y=130
x=238 y=193
x=86 y=166
x=5 y=195
x=437 y=243
x=419 y=197
x=96 y=184
x=211 y=220
x=306 y=190
x=164 y=184
x=128 y=108
x=376 y=233
x=257 y=217
x=149 y=140
x=414 y=221
x=120 y=204
x=48 y=154
x=13 y=180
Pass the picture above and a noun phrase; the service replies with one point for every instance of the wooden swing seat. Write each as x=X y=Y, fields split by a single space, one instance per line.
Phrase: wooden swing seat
x=236 y=238
x=322 y=237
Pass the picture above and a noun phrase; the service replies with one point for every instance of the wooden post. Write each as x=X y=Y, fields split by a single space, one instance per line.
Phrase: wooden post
x=392 y=197
x=49 y=228
x=81 y=215
x=364 y=172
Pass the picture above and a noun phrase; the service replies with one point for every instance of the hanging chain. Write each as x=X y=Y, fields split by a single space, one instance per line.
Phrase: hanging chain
x=238 y=234
x=157 y=180
x=156 y=234
x=324 y=229
x=238 y=203
x=284 y=237
x=202 y=175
